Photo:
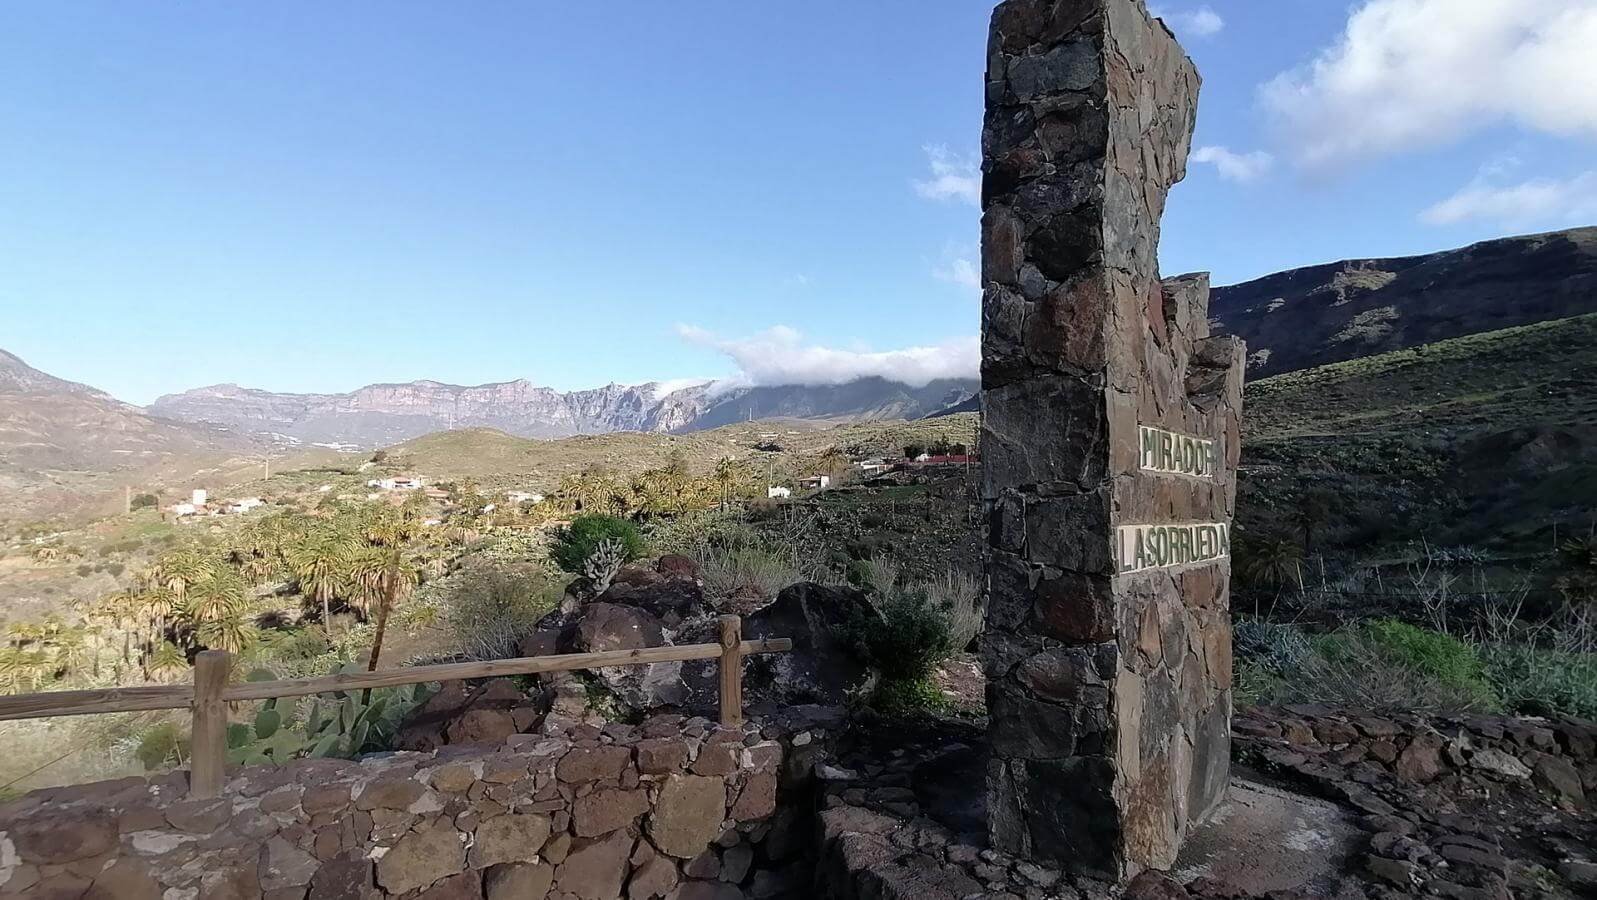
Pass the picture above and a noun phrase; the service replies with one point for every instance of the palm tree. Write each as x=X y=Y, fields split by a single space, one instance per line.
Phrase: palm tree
x=179 y=570
x=217 y=597
x=21 y=670
x=725 y=475
x=398 y=576
x=232 y=633
x=166 y=660
x=157 y=604
x=320 y=564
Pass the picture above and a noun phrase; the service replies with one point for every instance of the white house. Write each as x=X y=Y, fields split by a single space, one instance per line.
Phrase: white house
x=778 y=493
x=199 y=497
x=398 y=483
x=523 y=497
x=183 y=509
x=245 y=505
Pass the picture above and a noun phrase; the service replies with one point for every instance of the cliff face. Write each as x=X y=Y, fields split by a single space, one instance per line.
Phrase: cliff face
x=383 y=414
x=1346 y=310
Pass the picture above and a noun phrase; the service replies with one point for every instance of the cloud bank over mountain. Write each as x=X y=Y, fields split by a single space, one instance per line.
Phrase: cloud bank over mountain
x=782 y=356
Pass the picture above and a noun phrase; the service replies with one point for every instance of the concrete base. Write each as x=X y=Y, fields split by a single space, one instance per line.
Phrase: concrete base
x=1268 y=839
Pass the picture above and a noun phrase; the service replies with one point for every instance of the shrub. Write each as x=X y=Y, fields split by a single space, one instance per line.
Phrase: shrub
x=903 y=640
x=747 y=572
x=1277 y=650
x=960 y=595
x=1436 y=655
x=575 y=543
x=916 y=696
x=160 y=746
x=144 y=501
x=1537 y=681
x=489 y=608
x=1392 y=669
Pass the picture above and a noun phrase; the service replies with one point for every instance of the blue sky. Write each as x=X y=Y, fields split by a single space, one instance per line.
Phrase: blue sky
x=309 y=196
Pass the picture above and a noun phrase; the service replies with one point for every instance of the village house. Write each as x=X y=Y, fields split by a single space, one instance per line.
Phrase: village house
x=944 y=459
x=778 y=493
x=397 y=483
x=817 y=482
x=523 y=497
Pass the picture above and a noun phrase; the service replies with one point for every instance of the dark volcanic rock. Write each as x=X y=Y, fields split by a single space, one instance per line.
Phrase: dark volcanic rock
x=819 y=670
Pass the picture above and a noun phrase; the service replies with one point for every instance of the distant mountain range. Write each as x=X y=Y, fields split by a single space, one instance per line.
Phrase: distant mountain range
x=1346 y=310
x=64 y=445
x=383 y=414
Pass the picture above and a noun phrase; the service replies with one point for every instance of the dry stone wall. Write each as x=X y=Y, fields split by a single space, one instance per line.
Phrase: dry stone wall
x=671 y=808
x=1110 y=443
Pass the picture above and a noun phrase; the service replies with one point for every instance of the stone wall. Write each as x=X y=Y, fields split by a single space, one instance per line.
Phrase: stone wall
x=1455 y=806
x=1108 y=649
x=671 y=808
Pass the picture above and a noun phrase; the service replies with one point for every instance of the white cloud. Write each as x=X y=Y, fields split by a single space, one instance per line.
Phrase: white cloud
x=953 y=177
x=960 y=271
x=1410 y=74
x=1239 y=167
x=1538 y=202
x=780 y=355
x=1200 y=22
x=670 y=386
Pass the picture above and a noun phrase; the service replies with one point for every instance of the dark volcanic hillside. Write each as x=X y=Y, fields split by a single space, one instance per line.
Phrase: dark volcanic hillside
x=1324 y=314
x=1488 y=440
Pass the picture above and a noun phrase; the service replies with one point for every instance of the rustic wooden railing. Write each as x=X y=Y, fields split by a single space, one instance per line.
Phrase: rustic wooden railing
x=208 y=696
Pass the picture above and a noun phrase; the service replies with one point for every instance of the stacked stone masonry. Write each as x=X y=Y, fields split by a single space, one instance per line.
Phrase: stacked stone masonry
x=1108 y=664
x=671 y=808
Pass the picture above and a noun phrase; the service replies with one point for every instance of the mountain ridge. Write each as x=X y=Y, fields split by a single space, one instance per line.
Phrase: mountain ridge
x=388 y=413
x=1353 y=308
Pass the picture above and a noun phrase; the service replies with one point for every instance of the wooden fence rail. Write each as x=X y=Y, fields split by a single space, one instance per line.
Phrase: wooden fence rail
x=208 y=696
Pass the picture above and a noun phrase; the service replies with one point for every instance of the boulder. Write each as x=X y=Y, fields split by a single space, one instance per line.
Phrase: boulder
x=455 y=715
x=602 y=626
x=819 y=669
x=678 y=567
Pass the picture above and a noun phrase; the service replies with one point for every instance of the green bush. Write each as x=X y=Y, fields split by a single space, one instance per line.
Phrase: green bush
x=160 y=746
x=1536 y=681
x=1442 y=657
x=576 y=542
x=488 y=608
x=144 y=501
x=903 y=640
x=908 y=697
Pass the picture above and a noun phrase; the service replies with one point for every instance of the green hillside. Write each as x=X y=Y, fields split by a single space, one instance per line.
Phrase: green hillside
x=1488 y=441
x=498 y=460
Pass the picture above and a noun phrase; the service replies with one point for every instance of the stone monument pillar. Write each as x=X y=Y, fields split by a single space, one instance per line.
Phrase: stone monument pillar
x=1109 y=445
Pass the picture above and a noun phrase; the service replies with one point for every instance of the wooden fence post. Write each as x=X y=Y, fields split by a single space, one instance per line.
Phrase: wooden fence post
x=208 y=754
x=731 y=671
